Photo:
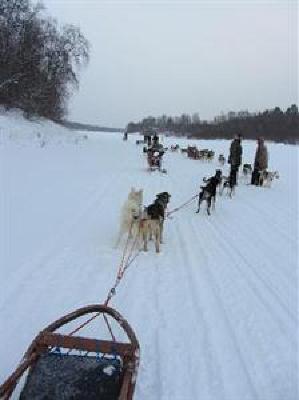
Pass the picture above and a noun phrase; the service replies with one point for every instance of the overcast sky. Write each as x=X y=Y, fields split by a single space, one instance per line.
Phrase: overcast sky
x=155 y=57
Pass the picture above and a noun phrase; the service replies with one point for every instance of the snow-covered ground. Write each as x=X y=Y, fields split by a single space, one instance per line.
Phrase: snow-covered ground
x=215 y=312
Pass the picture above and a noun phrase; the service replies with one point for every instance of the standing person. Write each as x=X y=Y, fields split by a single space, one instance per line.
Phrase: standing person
x=260 y=161
x=155 y=140
x=235 y=156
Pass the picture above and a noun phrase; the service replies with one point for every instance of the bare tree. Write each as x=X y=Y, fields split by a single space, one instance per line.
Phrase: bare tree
x=39 y=62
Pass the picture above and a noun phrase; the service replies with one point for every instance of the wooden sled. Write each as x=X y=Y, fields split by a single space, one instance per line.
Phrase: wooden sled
x=99 y=369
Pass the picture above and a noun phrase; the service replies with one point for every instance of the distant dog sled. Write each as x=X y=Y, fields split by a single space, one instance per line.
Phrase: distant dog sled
x=174 y=148
x=196 y=154
x=210 y=155
x=193 y=152
x=154 y=160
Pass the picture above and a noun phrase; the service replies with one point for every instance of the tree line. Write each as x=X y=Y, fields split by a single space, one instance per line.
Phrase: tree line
x=39 y=61
x=274 y=124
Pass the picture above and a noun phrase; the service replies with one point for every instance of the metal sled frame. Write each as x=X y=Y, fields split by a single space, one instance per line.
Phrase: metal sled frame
x=48 y=339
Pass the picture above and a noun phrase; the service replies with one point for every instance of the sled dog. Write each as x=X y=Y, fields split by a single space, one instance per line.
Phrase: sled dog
x=130 y=215
x=208 y=192
x=221 y=159
x=266 y=178
x=247 y=169
x=151 y=224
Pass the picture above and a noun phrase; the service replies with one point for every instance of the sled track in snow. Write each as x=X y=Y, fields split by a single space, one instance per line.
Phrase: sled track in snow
x=227 y=329
x=253 y=276
x=42 y=259
x=201 y=329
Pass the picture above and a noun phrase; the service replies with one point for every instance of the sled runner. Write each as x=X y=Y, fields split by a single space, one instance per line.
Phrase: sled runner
x=75 y=367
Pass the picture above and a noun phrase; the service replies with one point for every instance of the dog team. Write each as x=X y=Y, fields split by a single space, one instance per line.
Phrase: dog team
x=146 y=223
x=143 y=223
x=259 y=176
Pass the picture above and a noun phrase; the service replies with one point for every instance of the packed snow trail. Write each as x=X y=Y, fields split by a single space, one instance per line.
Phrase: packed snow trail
x=215 y=312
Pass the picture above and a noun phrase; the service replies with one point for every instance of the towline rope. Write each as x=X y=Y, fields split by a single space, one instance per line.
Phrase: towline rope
x=182 y=205
x=125 y=263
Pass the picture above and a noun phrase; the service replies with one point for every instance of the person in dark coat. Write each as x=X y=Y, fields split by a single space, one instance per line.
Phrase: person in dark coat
x=260 y=161
x=155 y=140
x=235 y=157
x=235 y=153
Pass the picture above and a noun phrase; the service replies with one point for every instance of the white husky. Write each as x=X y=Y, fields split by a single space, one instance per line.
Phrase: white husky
x=130 y=214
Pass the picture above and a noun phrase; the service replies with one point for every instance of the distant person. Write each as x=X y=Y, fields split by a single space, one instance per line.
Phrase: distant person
x=155 y=140
x=125 y=136
x=260 y=162
x=235 y=156
x=147 y=139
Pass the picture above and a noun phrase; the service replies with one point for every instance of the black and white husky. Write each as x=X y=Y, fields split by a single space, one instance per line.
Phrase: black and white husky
x=208 y=192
